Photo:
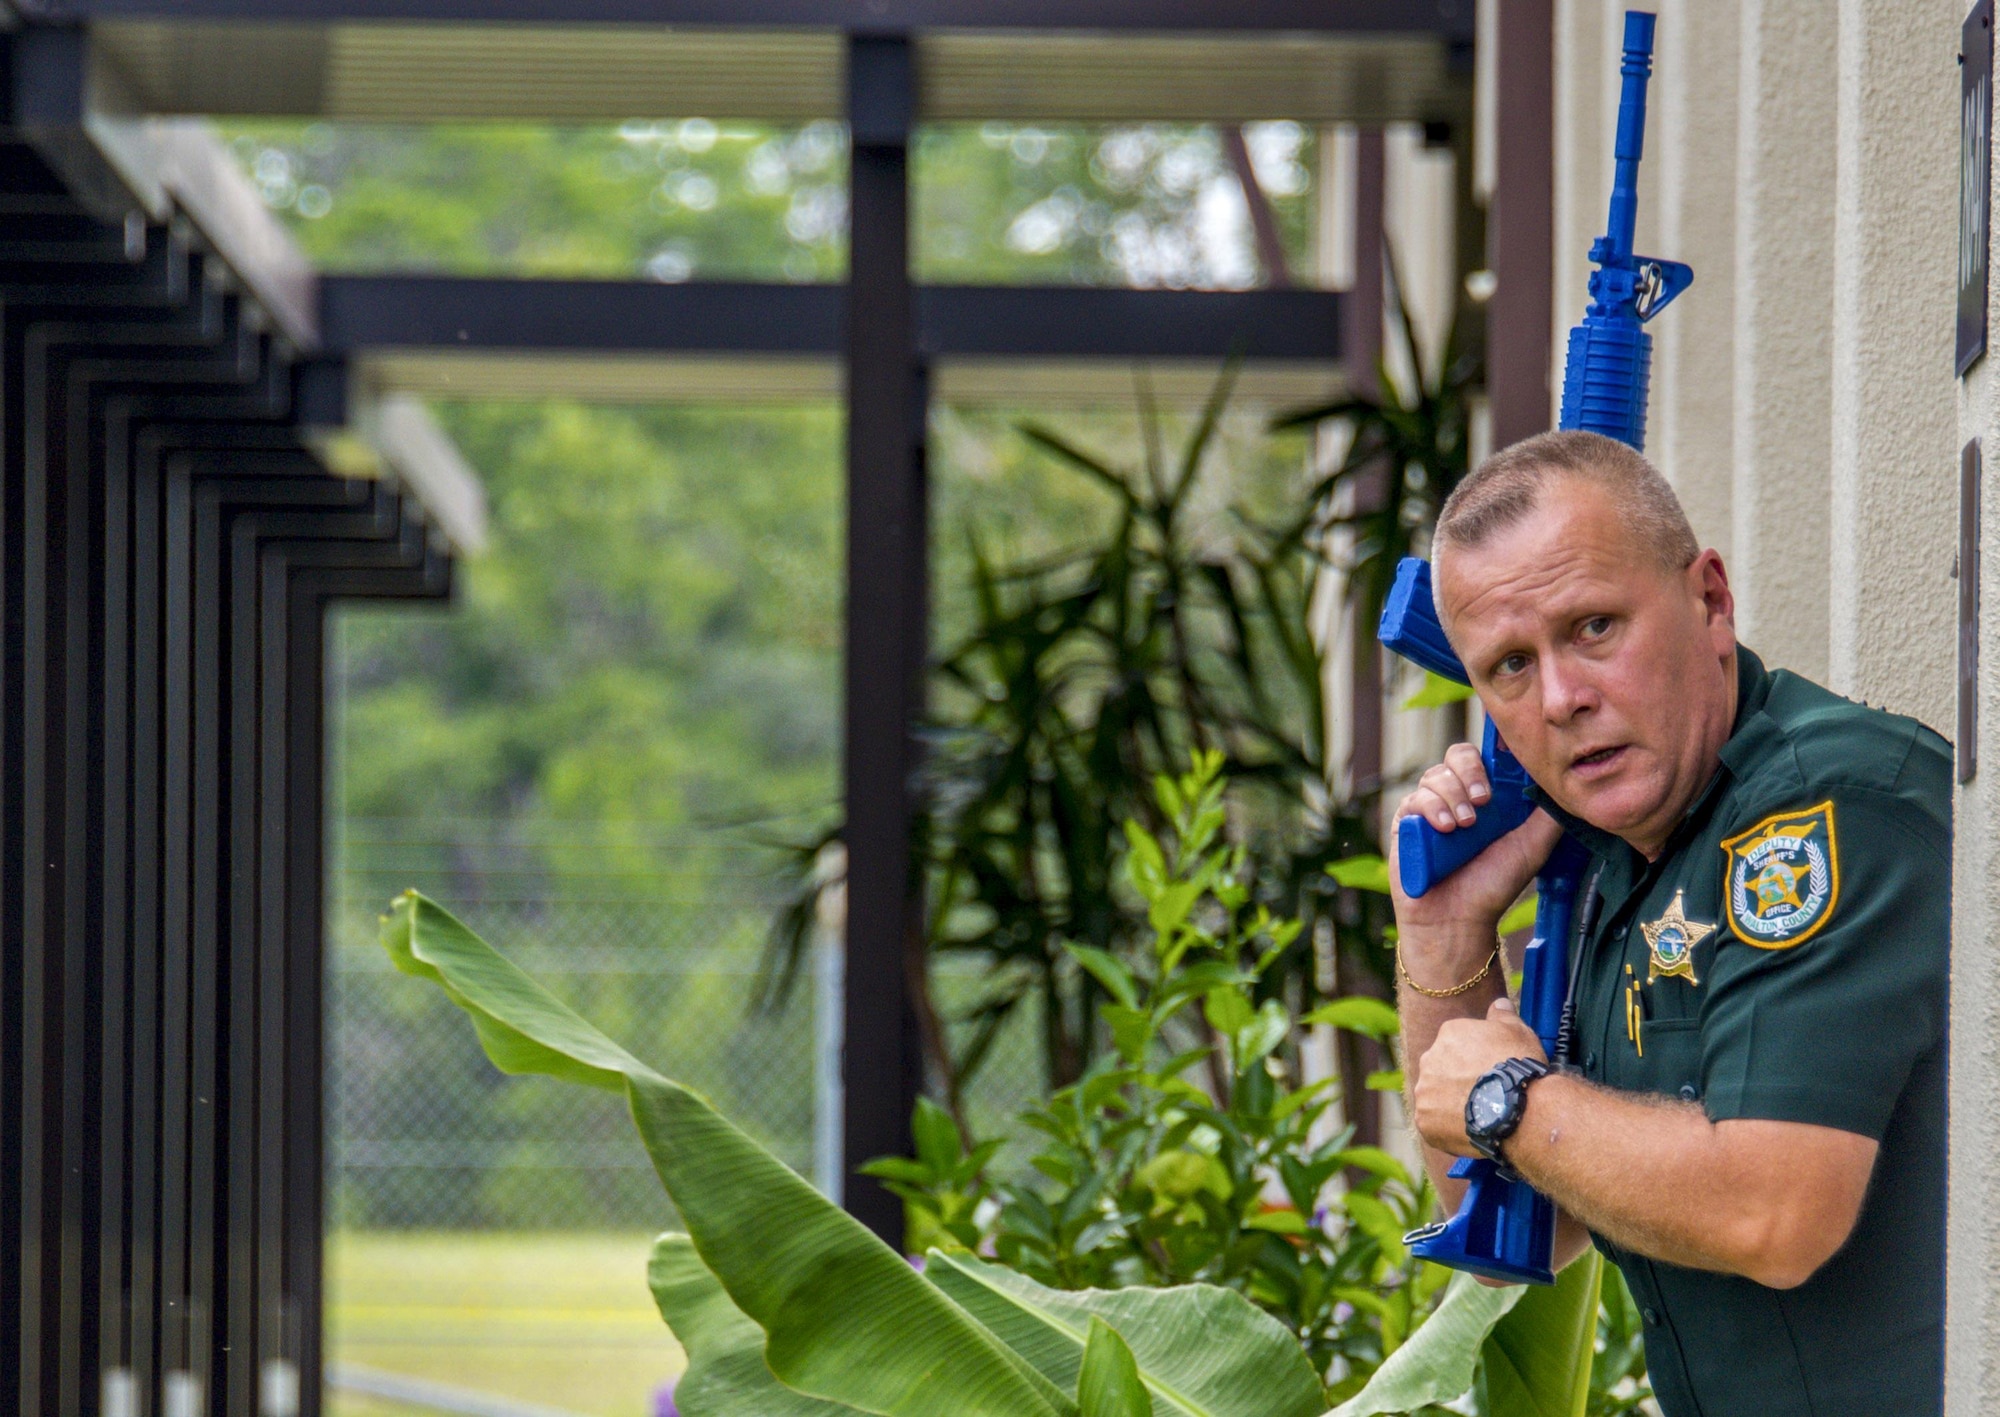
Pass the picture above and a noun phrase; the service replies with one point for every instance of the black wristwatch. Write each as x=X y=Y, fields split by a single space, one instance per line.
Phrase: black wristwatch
x=1494 y=1106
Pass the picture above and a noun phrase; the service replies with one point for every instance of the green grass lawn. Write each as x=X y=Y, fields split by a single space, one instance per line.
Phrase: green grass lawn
x=564 y=1320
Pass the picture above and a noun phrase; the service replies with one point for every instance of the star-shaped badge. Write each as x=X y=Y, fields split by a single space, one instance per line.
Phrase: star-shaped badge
x=1672 y=939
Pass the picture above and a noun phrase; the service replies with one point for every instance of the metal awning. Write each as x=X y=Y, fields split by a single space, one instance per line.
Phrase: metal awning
x=746 y=342
x=789 y=379
x=421 y=73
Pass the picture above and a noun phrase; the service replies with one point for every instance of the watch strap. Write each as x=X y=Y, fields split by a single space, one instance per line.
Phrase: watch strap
x=1522 y=1071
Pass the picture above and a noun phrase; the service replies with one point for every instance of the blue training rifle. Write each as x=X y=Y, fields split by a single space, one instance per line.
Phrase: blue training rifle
x=1505 y=1229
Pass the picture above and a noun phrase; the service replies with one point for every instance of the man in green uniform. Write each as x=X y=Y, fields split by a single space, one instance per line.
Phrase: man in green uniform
x=1750 y=1116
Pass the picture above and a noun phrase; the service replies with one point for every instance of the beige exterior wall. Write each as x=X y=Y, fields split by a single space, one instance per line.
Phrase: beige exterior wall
x=1895 y=213
x=1972 y=1358
x=1802 y=155
x=1803 y=159
x=1782 y=406
x=1693 y=148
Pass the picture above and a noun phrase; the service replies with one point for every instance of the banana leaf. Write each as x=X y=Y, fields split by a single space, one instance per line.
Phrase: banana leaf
x=844 y=1324
x=845 y=1317
x=1533 y=1347
x=1201 y=1351
x=1537 y=1359
x=1440 y=1361
x=725 y=1376
x=1109 y=1384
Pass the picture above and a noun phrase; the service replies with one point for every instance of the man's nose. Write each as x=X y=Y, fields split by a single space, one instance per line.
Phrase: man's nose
x=1566 y=692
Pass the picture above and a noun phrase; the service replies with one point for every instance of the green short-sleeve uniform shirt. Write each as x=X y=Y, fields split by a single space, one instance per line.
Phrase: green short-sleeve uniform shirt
x=1785 y=959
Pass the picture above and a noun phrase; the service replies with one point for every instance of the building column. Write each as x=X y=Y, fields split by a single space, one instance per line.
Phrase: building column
x=1890 y=596
x=1691 y=144
x=1361 y=348
x=1520 y=350
x=1686 y=192
x=1586 y=114
x=887 y=628
x=1783 y=340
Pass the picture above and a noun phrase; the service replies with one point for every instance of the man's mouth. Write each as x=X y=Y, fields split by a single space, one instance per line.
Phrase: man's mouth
x=1598 y=762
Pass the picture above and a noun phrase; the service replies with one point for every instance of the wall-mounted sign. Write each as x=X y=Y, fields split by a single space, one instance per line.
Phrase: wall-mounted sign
x=1975 y=179
x=1968 y=610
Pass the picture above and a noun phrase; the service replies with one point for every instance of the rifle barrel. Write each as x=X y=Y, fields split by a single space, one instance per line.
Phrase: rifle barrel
x=1636 y=70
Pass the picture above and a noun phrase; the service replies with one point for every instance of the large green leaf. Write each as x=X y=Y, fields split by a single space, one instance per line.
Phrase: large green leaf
x=523 y=1028
x=1202 y=1351
x=846 y=1318
x=726 y=1375
x=1359 y=1013
x=1537 y=1359
x=1109 y=1384
x=1438 y=691
x=1364 y=873
x=1440 y=1360
x=1533 y=1346
x=1520 y=915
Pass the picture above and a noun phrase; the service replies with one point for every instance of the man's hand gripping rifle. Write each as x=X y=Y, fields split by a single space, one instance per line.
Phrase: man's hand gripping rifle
x=1505 y=1229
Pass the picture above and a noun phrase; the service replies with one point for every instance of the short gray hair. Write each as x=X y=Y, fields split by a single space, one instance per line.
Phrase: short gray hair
x=1507 y=486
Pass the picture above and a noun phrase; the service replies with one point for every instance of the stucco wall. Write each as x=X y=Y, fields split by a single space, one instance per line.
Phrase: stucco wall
x=1803 y=157
x=1782 y=405
x=1973 y=1259
x=1890 y=597
x=1972 y=1377
x=1693 y=148
x=1687 y=212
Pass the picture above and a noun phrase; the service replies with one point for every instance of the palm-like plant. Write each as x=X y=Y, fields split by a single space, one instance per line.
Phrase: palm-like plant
x=1407 y=449
x=1086 y=674
x=1083 y=678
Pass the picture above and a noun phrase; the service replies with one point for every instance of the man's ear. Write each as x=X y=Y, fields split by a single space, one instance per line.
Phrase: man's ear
x=1708 y=579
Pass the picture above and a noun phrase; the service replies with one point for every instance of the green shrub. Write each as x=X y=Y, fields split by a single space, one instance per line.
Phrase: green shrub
x=1195 y=1152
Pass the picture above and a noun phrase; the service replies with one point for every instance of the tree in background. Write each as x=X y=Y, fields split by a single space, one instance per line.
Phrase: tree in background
x=1178 y=626
x=1083 y=677
x=672 y=199
x=653 y=634
x=639 y=680
x=653 y=638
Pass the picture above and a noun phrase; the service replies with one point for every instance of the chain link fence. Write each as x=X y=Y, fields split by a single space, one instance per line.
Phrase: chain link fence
x=654 y=938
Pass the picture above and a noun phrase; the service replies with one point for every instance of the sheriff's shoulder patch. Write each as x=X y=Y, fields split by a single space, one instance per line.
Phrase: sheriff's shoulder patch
x=1783 y=878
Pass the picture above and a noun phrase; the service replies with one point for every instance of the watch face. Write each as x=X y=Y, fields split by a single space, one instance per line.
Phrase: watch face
x=1487 y=1105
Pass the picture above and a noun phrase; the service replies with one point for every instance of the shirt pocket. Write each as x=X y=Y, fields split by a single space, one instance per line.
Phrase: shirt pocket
x=1670 y=1060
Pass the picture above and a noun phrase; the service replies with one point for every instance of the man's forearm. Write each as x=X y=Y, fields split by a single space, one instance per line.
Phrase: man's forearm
x=1622 y=1163
x=1442 y=963
x=1656 y=1176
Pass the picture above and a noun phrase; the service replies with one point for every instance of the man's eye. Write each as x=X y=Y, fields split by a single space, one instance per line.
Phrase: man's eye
x=1596 y=626
x=1512 y=664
